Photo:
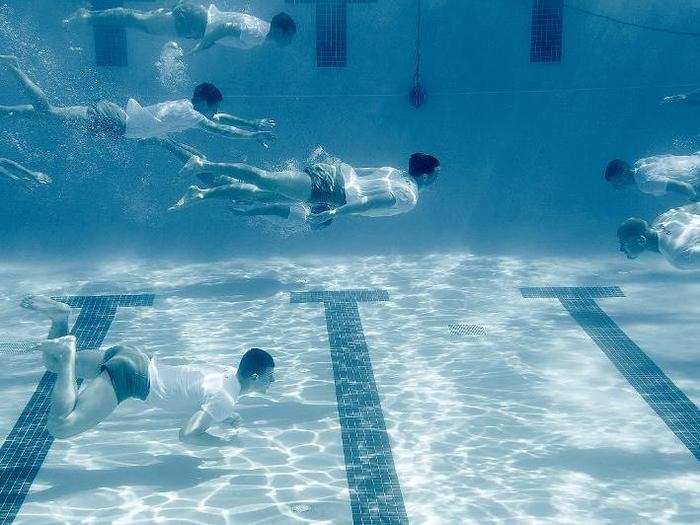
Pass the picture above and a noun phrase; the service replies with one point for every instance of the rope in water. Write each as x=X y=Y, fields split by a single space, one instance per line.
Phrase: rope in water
x=689 y=85
x=631 y=24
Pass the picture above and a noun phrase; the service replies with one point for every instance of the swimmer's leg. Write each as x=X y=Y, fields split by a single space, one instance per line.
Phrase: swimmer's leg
x=34 y=92
x=54 y=310
x=70 y=414
x=156 y=22
x=295 y=185
x=19 y=173
x=88 y=363
x=236 y=191
x=24 y=110
x=183 y=152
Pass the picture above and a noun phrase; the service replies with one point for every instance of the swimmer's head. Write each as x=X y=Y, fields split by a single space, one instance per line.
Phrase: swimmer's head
x=190 y=20
x=423 y=168
x=282 y=29
x=256 y=371
x=206 y=99
x=633 y=236
x=619 y=174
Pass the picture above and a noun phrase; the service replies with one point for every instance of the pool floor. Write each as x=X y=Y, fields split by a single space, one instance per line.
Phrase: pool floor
x=478 y=403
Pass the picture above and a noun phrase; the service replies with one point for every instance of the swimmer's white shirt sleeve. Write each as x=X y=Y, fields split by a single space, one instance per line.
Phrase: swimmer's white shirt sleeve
x=679 y=236
x=648 y=177
x=161 y=119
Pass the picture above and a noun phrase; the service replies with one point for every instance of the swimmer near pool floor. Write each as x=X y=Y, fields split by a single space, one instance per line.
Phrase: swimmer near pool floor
x=435 y=389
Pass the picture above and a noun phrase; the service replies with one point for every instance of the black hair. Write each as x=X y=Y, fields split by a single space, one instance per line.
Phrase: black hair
x=632 y=227
x=190 y=20
x=208 y=93
x=254 y=361
x=283 y=23
x=422 y=164
x=615 y=168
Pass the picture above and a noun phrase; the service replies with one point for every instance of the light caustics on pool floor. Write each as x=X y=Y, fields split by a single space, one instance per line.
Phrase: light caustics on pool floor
x=388 y=458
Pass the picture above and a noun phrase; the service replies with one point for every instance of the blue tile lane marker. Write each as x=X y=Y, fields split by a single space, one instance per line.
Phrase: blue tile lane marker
x=25 y=448
x=110 y=42
x=375 y=493
x=331 y=30
x=546 y=31
x=678 y=412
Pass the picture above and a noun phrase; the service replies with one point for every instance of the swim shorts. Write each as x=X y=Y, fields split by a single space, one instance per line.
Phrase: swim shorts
x=128 y=370
x=107 y=118
x=190 y=20
x=327 y=185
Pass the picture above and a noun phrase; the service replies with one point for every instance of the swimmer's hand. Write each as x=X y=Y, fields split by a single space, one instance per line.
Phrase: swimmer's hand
x=233 y=421
x=317 y=219
x=265 y=124
x=265 y=138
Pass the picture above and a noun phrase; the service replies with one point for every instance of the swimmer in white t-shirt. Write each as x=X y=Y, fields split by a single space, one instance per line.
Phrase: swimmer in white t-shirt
x=200 y=112
x=674 y=234
x=105 y=118
x=658 y=175
x=248 y=200
x=372 y=192
x=205 y=397
x=190 y=20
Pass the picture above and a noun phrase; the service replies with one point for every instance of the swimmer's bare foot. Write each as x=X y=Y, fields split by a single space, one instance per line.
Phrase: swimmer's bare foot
x=193 y=195
x=193 y=166
x=54 y=310
x=58 y=353
x=40 y=178
x=673 y=99
x=81 y=15
x=9 y=61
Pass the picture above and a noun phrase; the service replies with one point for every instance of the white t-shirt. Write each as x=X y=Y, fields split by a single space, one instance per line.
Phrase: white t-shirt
x=652 y=174
x=188 y=389
x=253 y=31
x=679 y=236
x=365 y=183
x=161 y=119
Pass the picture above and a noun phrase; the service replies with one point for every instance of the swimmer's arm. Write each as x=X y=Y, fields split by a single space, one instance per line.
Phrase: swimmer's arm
x=255 y=125
x=682 y=188
x=355 y=208
x=209 y=39
x=264 y=137
x=195 y=430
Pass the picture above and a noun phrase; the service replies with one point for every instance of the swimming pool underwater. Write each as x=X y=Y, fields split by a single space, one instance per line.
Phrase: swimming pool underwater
x=498 y=408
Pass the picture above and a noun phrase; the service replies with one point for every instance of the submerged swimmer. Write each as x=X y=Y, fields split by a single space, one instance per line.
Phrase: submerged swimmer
x=373 y=192
x=18 y=174
x=674 y=234
x=136 y=122
x=194 y=21
x=658 y=175
x=207 y=396
x=248 y=200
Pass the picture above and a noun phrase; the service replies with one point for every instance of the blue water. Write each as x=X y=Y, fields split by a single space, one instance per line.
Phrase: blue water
x=496 y=408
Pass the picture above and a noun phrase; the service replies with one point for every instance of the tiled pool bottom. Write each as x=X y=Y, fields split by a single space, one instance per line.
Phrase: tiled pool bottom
x=529 y=421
